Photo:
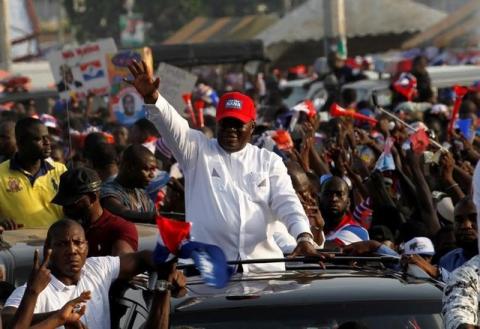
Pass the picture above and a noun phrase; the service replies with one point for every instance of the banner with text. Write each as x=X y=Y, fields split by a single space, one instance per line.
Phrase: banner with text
x=81 y=70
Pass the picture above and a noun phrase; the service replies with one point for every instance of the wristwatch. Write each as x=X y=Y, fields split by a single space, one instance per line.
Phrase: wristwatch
x=163 y=285
x=306 y=239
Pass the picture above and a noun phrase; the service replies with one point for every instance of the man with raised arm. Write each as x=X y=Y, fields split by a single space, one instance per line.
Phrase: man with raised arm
x=234 y=191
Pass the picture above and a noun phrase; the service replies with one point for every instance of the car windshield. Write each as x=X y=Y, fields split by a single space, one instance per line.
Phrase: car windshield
x=373 y=315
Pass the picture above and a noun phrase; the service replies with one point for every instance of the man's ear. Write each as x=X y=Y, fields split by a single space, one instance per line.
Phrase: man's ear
x=253 y=127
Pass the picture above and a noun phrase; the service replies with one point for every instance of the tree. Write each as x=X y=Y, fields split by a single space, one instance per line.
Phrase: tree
x=93 y=19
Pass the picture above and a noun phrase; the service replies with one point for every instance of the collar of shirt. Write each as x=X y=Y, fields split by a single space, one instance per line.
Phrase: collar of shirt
x=347 y=219
x=105 y=215
x=59 y=285
x=45 y=167
x=233 y=154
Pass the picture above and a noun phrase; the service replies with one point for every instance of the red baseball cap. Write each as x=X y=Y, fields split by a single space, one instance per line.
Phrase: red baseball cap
x=236 y=105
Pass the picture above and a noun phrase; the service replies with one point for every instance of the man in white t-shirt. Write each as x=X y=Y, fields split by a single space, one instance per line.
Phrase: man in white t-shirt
x=72 y=273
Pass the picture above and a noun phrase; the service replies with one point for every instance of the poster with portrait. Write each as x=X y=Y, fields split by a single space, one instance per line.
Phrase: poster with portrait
x=81 y=70
x=126 y=103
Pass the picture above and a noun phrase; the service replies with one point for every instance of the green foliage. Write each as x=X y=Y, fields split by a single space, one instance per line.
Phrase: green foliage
x=100 y=18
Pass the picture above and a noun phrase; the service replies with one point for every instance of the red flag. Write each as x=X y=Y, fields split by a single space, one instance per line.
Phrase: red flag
x=307 y=107
x=283 y=139
x=420 y=141
x=459 y=93
x=172 y=232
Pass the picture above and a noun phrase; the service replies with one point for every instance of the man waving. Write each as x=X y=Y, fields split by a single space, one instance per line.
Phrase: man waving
x=234 y=191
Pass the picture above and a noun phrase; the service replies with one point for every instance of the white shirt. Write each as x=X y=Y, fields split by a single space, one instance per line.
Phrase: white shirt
x=461 y=295
x=231 y=199
x=476 y=194
x=97 y=276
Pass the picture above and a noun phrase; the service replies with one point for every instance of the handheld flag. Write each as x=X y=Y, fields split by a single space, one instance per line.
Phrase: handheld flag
x=385 y=161
x=209 y=259
x=420 y=141
x=406 y=85
x=466 y=128
x=460 y=92
x=307 y=107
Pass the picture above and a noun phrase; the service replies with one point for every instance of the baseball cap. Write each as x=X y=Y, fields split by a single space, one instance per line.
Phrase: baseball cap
x=236 y=105
x=419 y=246
x=74 y=184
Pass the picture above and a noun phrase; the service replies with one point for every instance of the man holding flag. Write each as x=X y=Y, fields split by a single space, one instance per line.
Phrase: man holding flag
x=234 y=190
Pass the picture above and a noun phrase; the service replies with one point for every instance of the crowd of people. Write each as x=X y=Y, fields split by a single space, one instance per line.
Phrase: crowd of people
x=256 y=178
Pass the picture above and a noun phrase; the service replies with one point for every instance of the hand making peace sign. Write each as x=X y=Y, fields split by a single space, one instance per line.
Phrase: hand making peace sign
x=40 y=275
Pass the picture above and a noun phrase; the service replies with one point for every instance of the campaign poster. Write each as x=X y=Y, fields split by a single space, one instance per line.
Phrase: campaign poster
x=174 y=82
x=81 y=70
x=132 y=30
x=126 y=103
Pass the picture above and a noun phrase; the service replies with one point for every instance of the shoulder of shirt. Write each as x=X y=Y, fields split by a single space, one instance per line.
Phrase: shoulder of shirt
x=264 y=153
x=5 y=166
x=450 y=254
x=117 y=219
x=470 y=269
x=58 y=166
x=96 y=261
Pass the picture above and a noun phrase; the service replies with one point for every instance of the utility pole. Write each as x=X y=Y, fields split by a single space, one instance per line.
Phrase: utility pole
x=334 y=27
x=5 y=54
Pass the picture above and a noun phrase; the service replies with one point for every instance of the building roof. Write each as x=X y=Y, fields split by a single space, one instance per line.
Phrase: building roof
x=205 y=29
x=458 y=29
x=363 y=18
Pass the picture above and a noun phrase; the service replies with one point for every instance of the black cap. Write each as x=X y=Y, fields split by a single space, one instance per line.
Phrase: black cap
x=75 y=183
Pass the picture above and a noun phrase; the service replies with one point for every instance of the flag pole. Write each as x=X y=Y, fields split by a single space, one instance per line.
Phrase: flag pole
x=393 y=116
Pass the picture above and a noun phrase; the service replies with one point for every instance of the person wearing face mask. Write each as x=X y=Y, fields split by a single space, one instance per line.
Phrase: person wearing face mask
x=235 y=191
x=107 y=234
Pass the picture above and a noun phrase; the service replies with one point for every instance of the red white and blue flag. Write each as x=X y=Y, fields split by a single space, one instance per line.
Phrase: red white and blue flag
x=92 y=70
x=173 y=242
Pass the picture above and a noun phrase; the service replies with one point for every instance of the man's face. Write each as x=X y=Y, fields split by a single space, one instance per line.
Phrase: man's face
x=69 y=250
x=79 y=210
x=36 y=143
x=233 y=134
x=8 y=145
x=129 y=105
x=66 y=74
x=334 y=201
x=121 y=136
x=465 y=225
x=302 y=186
x=144 y=171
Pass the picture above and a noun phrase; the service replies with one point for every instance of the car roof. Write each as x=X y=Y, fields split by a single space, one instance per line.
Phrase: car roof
x=36 y=236
x=300 y=287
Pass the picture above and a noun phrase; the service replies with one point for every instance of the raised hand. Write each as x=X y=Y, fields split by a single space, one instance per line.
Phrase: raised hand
x=40 y=275
x=144 y=82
